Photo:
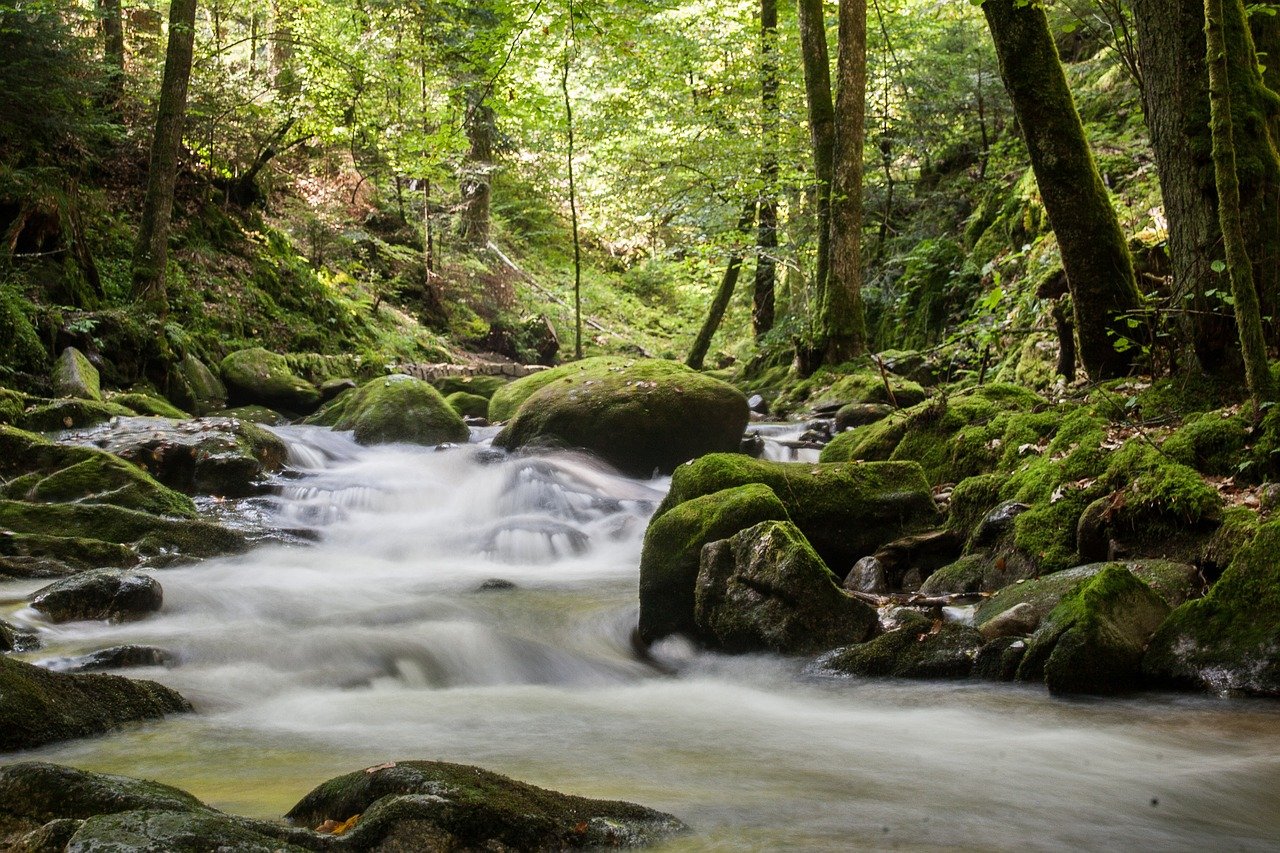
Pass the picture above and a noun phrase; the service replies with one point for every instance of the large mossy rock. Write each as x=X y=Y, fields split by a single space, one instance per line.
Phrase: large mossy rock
x=1228 y=641
x=57 y=415
x=220 y=456
x=147 y=405
x=75 y=376
x=431 y=805
x=673 y=547
x=641 y=417
x=468 y=405
x=1093 y=641
x=506 y=400
x=42 y=707
x=259 y=376
x=38 y=792
x=918 y=648
x=198 y=388
x=846 y=510
x=766 y=589
x=394 y=409
x=109 y=594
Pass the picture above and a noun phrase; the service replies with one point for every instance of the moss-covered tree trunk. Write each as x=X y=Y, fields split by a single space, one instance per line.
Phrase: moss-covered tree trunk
x=843 y=322
x=151 y=252
x=762 y=299
x=1248 y=315
x=817 y=88
x=476 y=172
x=1094 y=254
x=715 y=314
x=1266 y=42
x=113 y=47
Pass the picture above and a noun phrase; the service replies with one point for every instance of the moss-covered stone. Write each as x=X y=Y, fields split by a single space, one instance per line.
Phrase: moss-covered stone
x=151 y=535
x=766 y=589
x=1210 y=443
x=99 y=594
x=1228 y=641
x=147 y=404
x=673 y=546
x=420 y=805
x=846 y=510
x=391 y=409
x=31 y=555
x=39 y=792
x=12 y=405
x=971 y=500
x=42 y=707
x=1093 y=640
x=152 y=831
x=919 y=648
x=468 y=405
x=258 y=376
x=197 y=387
x=507 y=400
x=867 y=386
x=75 y=376
x=481 y=386
x=71 y=414
x=642 y=416
x=260 y=415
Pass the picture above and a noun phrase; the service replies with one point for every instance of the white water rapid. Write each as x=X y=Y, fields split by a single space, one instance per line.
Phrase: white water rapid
x=382 y=633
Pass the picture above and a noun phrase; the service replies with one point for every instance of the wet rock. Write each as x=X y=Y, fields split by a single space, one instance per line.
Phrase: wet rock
x=260 y=415
x=922 y=553
x=38 y=792
x=672 y=552
x=199 y=390
x=15 y=639
x=116 y=657
x=258 y=376
x=1021 y=620
x=1093 y=641
x=41 y=707
x=867 y=575
x=216 y=456
x=758 y=404
x=495 y=585
x=766 y=589
x=392 y=409
x=1228 y=641
x=979 y=572
x=998 y=660
x=641 y=416
x=752 y=445
x=920 y=648
x=846 y=509
x=75 y=376
x=427 y=805
x=998 y=522
x=861 y=414
x=151 y=831
x=331 y=388
x=99 y=594
x=72 y=414
x=147 y=405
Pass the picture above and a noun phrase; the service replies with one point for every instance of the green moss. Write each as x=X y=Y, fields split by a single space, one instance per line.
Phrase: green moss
x=20 y=348
x=1209 y=443
x=394 y=409
x=673 y=544
x=1157 y=488
x=971 y=500
x=256 y=375
x=75 y=553
x=147 y=404
x=12 y=405
x=506 y=401
x=75 y=376
x=72 y=414
x=853 y=382
x=468 y=405
x=483 y=386
x=971 y=573
x=149 y=534
x=915 y=650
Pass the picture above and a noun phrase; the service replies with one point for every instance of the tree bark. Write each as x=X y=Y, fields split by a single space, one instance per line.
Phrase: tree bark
x=1094 y=254
x=1248 y=315
x=817 y=87
x=843 y=322
x=702 y=343
x=113 y=48
x=763 y=295
x=151 y=253
x=477 y=171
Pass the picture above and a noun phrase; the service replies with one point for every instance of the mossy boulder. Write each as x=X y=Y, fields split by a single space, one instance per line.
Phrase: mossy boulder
x=259 y=376
x=394 y=409
x=72 y=414
x=75 y=376
x=38 y=792
x=468 y=405
x=34 y=555
x=765 y=589
x=641 y=417
x=480 y=385
x=1093 y=640
x=918 y=648
x=1211 y=443
x=846 y=510
x=41 y=707
x=198 y=389
x=260 y=415
x=12 y=405
x=506 y=400
x=1228 y=641
x=106 y=594
x=218 y=456
x=673 y=546
x=147 y=404
x=420 y=805
x=155 y=831
x=830 y=388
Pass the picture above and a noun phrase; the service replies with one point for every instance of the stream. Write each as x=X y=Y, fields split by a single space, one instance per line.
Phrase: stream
x=462 y=605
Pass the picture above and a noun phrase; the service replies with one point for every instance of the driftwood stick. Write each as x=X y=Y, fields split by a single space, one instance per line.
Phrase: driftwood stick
x=915 y=599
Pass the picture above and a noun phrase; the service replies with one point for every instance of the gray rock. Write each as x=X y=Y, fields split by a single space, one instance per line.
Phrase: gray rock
x=99 y=594
x=1021 y=620
x=917 y=649
x=998 y=522
x=867 y=575
x=861 y=414
x=75 y=376
x=200 y=391
x=116 y=657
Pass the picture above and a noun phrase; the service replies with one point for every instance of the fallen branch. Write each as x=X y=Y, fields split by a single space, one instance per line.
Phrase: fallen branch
x=916 y=599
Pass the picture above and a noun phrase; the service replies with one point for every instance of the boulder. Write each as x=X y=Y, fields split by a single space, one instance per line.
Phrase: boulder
x=111 y=594
x=861 y=414
x=867 y=575
x=1228 y=641
x=506 y=399
x=642 y=417
x=260 y=415
x=213 y=456
x=258 y=376
x=199 y=389
x=1021 y=620
x=42 y=707
x=147 y=404
x=394 y=409
x=846 y=510
x=15 y=639
x=766 y=589
x=39 y=555
x=75 y=376
x=468 y=405
x=909 y=560
x=919 y=648
x=673 y=546
x=1093 y=641
x=37 y=792
x=116 y=657
x=330 y=389
x=153 y=831
x=72 y=414
x=432 y=805
x=998 y=659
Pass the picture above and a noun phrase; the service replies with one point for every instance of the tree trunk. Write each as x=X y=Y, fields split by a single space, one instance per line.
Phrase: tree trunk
x=1094 y=255
x=477 y=170
x=1248 y=315
x=843 y=323
x=151 y=253
x=573 y=191
x=1266 y=42
x=817 y=88
x=762 y=301
x=702 y=343
x=113 y=48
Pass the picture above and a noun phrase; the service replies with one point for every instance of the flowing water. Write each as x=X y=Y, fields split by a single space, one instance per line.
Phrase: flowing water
x=462 y=605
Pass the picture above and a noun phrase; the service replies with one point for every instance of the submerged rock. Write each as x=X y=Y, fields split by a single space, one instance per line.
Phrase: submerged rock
x=919 y=648
x=258 y=376
x=431 y=805
x=116 y=657
x=99 y=594
x=41 y=707
x=673 y=546
x=766 y=589
x=395 y=408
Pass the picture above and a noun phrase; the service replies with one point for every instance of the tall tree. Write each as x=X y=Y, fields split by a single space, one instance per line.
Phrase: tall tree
x=1094 y=254
x=113 y=47
x=1248 y=315
x=476 y=177
x=762 y=301
x=843 y=325
x=702 y=343
x=151 y=252
x=822 y=131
